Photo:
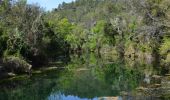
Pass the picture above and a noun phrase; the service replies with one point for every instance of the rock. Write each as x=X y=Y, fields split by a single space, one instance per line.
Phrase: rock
x=155 y=86
x=123 y=93
x=108 y=98
x=156 y=76
x=167 y=74
x=11 y=74
x=17 y=65
x=141 y=88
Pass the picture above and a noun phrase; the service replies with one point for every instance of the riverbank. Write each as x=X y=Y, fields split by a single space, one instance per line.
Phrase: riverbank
x=108 y=54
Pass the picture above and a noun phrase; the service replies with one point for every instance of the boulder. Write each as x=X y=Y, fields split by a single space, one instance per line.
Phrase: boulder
x=17 y=65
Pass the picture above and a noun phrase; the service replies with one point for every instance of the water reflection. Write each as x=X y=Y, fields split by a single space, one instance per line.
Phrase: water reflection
x=59 y=96
x=89 y=77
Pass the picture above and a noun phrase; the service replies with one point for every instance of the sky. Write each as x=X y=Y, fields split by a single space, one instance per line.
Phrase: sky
x=48 y=4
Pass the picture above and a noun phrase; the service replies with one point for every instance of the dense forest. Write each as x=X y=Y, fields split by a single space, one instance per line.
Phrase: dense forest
x=31 y=37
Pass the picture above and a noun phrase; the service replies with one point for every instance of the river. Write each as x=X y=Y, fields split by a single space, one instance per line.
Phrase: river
x=90 y=77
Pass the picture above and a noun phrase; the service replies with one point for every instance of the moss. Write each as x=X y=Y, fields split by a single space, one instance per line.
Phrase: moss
x=16 y=64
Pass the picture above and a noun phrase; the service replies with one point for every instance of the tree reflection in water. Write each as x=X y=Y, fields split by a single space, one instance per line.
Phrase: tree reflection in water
x=90 y=77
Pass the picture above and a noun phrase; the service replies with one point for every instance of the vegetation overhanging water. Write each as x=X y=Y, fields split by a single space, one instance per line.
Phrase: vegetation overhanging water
x=86 y=49
x=90 y=77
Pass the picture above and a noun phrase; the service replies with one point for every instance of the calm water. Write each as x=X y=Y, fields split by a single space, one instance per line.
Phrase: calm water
x=90 y=77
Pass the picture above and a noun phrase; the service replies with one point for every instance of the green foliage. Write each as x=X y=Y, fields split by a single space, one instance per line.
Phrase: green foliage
x=99 y=27
x=110 y=33
x=64 y=28
x=96 y=37
x=14 y=44
x=28 y=31
x=165 y=47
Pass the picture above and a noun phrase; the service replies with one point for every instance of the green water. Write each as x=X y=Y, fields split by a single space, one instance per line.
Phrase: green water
x=90 y=77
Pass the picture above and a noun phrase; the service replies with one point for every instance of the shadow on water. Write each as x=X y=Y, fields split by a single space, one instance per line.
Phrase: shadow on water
x=89 y=77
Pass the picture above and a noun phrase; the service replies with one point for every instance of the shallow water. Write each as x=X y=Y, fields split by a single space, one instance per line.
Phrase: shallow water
x=90 y=77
